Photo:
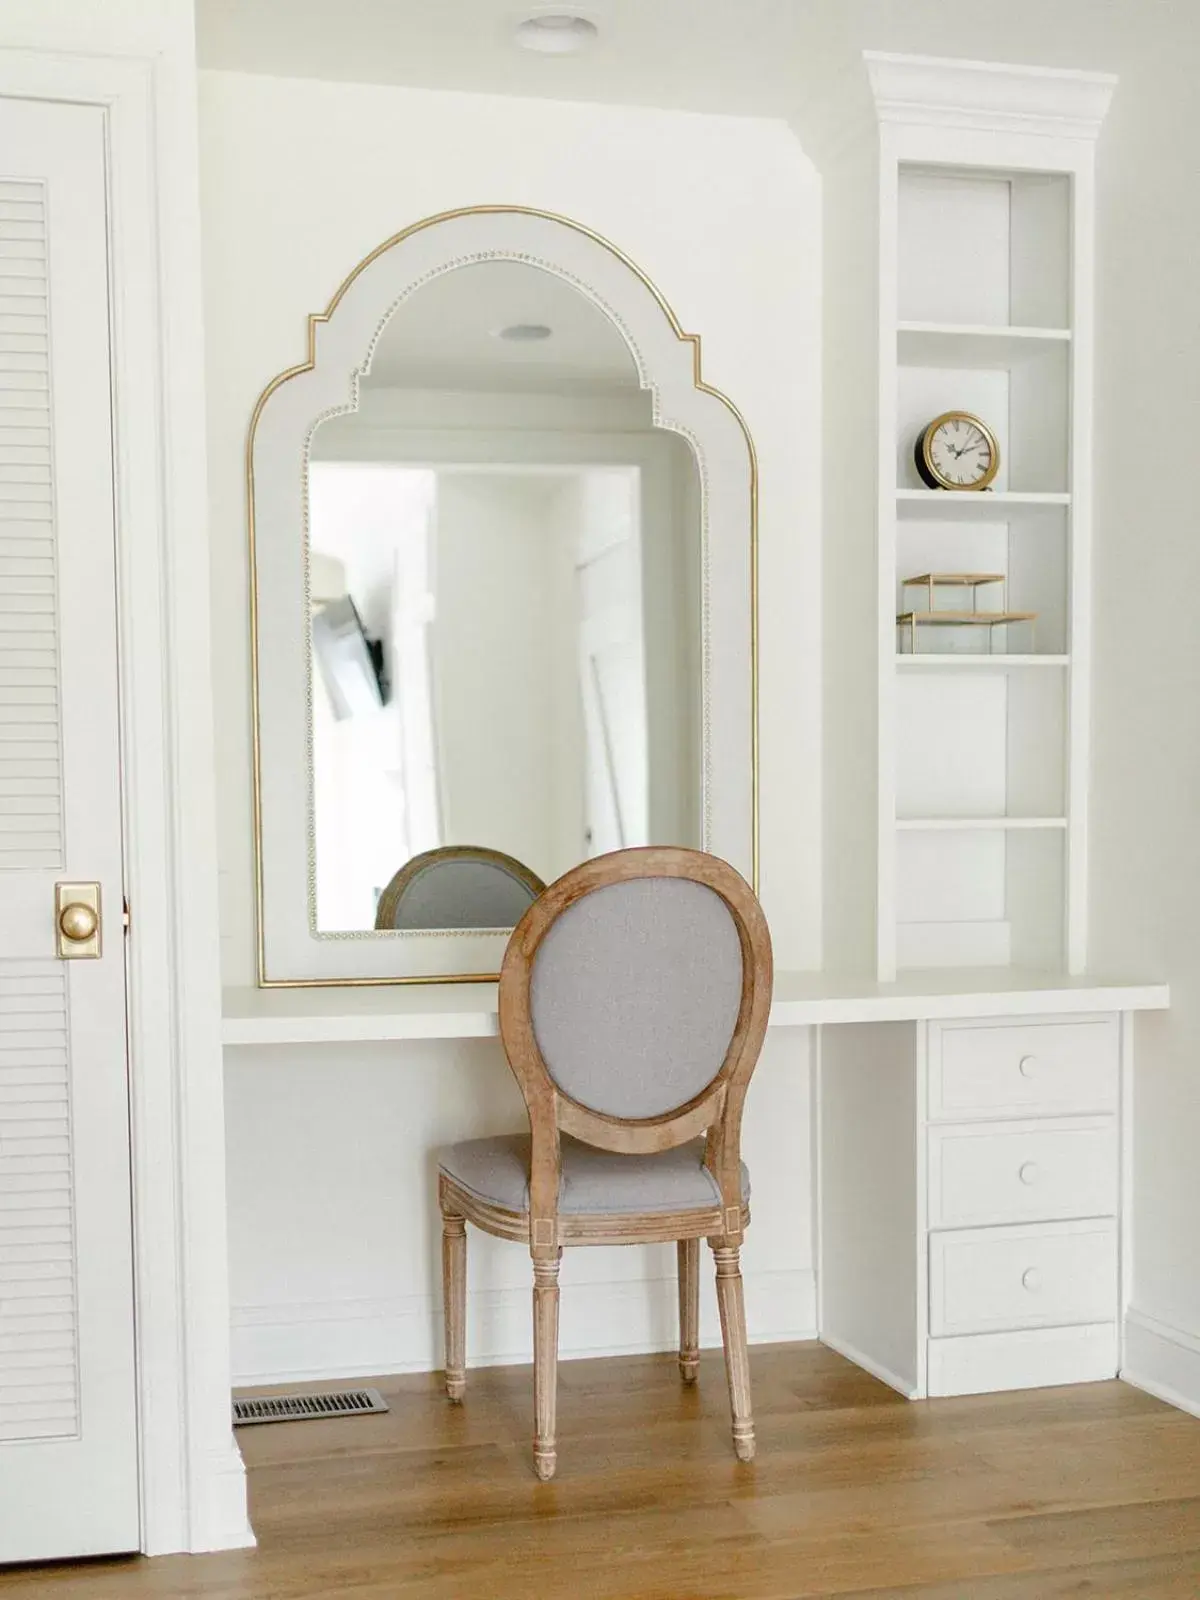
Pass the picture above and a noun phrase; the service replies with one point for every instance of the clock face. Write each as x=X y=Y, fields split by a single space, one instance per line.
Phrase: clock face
x=960 y=452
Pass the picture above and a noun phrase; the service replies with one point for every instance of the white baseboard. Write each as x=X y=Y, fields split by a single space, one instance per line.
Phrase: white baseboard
x=306 y=1340
x=885 y=1375
x=1162 y=1360
x=1026 y=1358
x=217 y=1519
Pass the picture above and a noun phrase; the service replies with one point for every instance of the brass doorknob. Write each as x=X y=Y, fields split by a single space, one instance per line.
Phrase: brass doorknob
x=78 y=922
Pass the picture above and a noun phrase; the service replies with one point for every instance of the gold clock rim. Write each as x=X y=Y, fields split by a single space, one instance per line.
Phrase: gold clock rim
x=961 y=416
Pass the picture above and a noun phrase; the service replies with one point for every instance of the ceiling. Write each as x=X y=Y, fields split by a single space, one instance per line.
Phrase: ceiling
x=747 y=57
x=445 y=337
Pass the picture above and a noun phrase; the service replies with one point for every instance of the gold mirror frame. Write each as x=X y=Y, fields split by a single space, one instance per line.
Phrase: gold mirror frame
x=315 y=320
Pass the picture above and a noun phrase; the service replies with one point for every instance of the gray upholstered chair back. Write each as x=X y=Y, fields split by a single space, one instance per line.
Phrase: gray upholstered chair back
x=458 y=886
x=635 y=994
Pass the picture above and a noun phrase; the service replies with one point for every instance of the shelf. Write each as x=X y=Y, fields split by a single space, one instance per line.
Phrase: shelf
x=949 y=344
x=982 y=506
x=256 y=1017
x=964 y=619
x=981 y=663
x=976 y=824
x=952 y=580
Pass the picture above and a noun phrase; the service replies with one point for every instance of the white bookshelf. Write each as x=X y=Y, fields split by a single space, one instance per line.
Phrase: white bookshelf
x=985 y=253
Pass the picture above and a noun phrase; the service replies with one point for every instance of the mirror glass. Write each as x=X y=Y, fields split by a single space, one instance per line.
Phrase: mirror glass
x=504 y=577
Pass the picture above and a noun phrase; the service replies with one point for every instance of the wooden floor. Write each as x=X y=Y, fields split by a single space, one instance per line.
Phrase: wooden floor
x=1069 y=1492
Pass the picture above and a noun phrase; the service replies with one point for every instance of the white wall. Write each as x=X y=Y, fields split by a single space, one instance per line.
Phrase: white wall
x=300 y=180
x=334 y=1231
x=1146 y=817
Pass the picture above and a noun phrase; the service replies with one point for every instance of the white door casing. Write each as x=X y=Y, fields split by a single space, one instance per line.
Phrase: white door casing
x=68 y=1413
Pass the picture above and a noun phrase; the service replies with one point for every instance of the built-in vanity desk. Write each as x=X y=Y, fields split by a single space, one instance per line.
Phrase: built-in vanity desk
x=971 y=1156
x=957 y=1125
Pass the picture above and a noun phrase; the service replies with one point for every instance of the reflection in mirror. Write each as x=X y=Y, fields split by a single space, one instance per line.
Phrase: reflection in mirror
x=504 y=577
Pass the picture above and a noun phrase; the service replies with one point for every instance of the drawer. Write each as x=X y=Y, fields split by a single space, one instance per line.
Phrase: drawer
x=1021 y=1172
x=1049 y=1274
x=998 y=1069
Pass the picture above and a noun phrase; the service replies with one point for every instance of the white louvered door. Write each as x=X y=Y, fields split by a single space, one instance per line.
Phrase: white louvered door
x=68 y=1440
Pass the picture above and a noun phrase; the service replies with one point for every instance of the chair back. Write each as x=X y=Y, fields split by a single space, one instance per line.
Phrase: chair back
x=634 y=998
x=458 y=886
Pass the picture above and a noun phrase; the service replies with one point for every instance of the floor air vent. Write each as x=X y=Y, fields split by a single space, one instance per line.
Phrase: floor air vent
x=307 y=1407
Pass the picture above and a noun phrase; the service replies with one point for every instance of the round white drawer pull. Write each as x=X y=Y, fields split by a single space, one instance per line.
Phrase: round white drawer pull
x=1031 y=1279
x=1029 y=1173
x=1028 y=1066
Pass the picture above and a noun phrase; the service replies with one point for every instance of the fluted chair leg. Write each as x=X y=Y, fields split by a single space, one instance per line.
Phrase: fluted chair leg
x=545 y=1365
x=689 y=1309
x=732 y=1306
x=454 y=1299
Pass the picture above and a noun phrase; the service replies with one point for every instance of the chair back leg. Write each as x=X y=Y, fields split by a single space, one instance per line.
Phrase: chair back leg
x=732 y=1306
x=545 y=1363
x=454 y=1301
x=689 y=1309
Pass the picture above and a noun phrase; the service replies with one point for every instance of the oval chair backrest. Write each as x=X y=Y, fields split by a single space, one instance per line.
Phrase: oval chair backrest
x=458 y=886
x=636 y=986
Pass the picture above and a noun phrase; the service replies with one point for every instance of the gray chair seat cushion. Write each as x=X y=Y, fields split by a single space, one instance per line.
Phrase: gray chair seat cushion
x=593 y=1181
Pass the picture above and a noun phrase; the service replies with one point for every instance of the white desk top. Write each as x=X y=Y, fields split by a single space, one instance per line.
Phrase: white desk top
x=802 y=999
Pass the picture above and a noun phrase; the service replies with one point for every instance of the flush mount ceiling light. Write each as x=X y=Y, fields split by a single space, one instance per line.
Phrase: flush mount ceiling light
x=555 y=33
x=525 y=332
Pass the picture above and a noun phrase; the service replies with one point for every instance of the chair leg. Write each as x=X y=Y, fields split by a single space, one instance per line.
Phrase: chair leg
x=733 y=1335
x=454 y=1299
x=545 y=1364
x=689 y=1309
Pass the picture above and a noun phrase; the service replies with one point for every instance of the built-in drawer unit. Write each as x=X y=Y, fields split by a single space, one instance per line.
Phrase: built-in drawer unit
x=986 y=1173
x=1001 y=1069
x=984 y=1280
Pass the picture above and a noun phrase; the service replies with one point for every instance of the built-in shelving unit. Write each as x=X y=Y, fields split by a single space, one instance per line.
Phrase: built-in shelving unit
x=985 y=220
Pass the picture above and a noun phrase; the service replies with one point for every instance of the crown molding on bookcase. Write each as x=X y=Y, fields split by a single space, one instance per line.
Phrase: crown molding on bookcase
x=988 y=96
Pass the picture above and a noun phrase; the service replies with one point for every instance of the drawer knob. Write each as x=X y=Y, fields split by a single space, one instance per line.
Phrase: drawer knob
x=1029 y=1173
x=1031 y=1279
x=1028 y=1066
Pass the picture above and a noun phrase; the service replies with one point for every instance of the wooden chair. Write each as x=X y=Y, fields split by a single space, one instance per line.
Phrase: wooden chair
x=633 y=1003
x=458 y=886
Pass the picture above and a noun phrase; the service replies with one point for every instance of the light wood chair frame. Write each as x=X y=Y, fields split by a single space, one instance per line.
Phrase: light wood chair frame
x=716 y=1111
x=389 y=899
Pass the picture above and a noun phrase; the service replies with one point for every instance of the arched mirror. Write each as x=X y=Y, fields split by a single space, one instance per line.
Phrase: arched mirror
x=498 y=625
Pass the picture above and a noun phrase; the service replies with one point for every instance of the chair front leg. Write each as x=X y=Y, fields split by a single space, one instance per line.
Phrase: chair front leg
x=545 y=1363
x=689 y=1309
x=454 y=1301
x=732 y=1306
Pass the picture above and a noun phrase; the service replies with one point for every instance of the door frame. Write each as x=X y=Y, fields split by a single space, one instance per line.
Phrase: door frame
x=193 y=1493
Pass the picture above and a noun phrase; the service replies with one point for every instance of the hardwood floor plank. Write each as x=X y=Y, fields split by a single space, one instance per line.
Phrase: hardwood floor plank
x=855 y=1493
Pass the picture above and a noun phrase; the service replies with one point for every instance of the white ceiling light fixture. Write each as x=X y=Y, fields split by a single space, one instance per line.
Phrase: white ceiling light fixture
x=525 y=332
x=556 y=33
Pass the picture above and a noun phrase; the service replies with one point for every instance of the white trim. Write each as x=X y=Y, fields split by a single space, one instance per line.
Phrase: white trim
x=1162 y=1360
x=193 y=1490
x=318 y=1339
x=988 y=95
x=1125 y=1169
x=885 y=1375
x=1022 y=1358
x=816 y=1147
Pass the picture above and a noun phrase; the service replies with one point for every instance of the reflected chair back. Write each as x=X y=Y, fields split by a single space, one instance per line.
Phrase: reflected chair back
x=458 y=886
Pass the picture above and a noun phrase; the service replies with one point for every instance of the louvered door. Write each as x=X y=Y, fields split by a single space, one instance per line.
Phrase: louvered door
x=68 y=1441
